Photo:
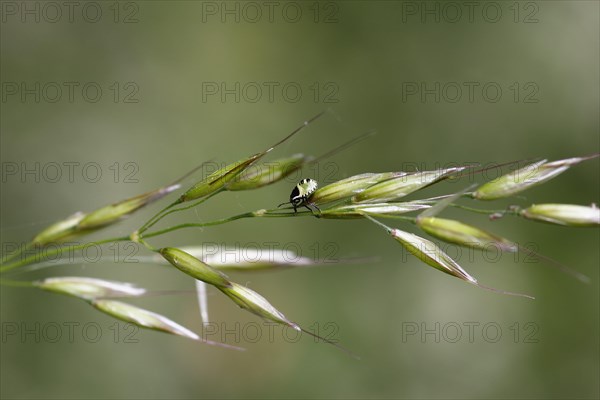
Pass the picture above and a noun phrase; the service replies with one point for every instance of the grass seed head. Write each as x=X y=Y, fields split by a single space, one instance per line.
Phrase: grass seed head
x=219 y=179
x=81 y=223
x=564 y=214
x=89 y=288
x=393 y=189
x=349 y=187
x=525 y=178
x=252 y=259
x=464 y=235
x=115 y=212
x=431 y=254
x=59 y=231
x=142 y=318
x=251 y=301
x=267 y=173
x=195 y=268
x=375 y=210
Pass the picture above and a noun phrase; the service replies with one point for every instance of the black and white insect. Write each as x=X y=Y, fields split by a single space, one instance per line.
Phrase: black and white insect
x=300 y=196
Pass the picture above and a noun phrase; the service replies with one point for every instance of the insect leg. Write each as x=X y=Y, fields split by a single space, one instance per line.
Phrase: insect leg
x=313 y=211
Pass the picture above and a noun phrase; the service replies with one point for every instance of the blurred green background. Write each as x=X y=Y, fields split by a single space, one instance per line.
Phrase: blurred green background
x=389 y=66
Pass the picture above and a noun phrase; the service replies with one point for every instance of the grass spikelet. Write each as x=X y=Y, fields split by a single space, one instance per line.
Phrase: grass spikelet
x=253 y=302
x=432 y=255
x=276 y=170
x=219 y=179
x=525 y=178
x=472 y=237
x=396 y=188
x=149 y=320
x=195 y=268
x=267 y=173
x=59 y=231
x=563 y=214
x=375 y=210
x=115 y=212
x=252 y=259
x=464 y=235
x=82 y=223
x=350 y=186
x=89 y=288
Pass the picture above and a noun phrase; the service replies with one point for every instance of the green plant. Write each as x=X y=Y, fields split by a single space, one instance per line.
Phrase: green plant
x=370 y=196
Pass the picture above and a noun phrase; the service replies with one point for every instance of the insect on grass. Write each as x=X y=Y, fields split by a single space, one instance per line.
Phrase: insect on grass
x=368 y=195
x=301 y=194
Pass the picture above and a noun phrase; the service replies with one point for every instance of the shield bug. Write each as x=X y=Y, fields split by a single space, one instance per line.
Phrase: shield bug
x=300 y=196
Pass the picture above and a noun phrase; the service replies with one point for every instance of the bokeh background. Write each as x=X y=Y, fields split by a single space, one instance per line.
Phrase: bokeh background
x=163 y=70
